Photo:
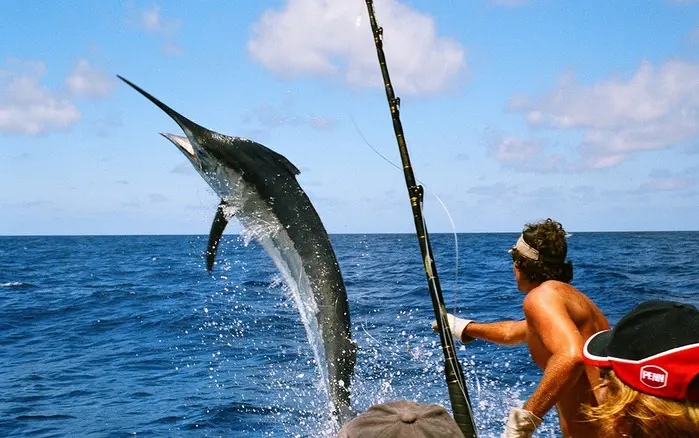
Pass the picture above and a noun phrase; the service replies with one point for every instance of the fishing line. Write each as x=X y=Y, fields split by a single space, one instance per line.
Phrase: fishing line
x=424 y=224
x=368 y=334
x=444 y=207
x=478 y=384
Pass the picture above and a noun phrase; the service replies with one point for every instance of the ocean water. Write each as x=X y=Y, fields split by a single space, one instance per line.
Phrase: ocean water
x=130 y=336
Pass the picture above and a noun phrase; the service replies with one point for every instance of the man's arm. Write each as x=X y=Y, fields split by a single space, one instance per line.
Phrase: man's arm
x=548 y=319
x=502 y=332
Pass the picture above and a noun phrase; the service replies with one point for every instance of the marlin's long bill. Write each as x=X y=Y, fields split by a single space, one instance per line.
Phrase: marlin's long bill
x=259 y=187
x=181 y=120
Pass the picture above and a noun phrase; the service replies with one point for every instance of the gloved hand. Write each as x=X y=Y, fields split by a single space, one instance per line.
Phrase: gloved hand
x=521 y=424
x=457 y=327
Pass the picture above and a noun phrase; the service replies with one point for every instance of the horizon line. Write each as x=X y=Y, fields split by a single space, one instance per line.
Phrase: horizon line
x=571 y=233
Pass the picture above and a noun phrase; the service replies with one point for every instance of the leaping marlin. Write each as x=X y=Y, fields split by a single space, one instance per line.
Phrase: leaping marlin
x=259 y=187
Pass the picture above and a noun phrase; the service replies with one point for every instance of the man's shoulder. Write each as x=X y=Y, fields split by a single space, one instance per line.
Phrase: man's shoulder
x=550 y=291
x=553 y=287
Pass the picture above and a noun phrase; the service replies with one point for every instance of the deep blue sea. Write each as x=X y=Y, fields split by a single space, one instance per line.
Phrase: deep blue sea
x=130 y=336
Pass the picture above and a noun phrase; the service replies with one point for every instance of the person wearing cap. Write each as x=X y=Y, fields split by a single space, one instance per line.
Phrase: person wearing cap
x=402 y=419
x=558 y=320
x=650 y=364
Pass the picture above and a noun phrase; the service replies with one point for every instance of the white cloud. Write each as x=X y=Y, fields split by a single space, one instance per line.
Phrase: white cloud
x=321 y=123
x=514 y=149
x=284 y=115
x=27 y=107
x=666 y=180
x=152 y=21
x=328 y=37
x=668 y=184
x=86 y=80
x=652 y=109
x=524 y=155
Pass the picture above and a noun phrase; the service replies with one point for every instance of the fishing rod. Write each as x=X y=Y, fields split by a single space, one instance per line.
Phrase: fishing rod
x=456 y=384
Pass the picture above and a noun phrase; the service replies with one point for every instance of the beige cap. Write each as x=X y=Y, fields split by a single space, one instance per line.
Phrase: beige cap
x=402 y=419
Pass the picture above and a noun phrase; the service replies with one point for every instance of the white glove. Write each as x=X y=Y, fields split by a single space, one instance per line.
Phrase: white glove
x=457 y=327
x=521 y=424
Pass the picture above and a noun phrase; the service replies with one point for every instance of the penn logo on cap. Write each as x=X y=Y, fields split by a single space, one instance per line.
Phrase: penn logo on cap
x=653 y=376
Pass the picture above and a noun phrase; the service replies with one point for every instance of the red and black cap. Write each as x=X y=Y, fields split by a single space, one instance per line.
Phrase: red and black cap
x=654 y=349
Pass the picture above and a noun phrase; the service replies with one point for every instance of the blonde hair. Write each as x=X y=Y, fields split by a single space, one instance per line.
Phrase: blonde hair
x=626 y=412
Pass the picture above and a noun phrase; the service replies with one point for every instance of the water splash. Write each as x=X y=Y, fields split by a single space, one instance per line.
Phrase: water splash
x=291 y=280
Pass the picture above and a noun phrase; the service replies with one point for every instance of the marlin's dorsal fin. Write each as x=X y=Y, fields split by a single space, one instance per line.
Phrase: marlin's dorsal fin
x=263 y=157
x=285 y=163
x=217 y=227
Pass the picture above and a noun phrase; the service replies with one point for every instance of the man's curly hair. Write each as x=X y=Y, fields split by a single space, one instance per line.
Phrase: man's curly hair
x=549 y=238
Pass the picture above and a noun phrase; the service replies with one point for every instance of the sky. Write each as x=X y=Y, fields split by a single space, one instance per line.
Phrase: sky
x=513 y=111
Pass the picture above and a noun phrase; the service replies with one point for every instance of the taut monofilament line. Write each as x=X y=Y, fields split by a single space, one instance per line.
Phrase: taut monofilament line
x=458 y=394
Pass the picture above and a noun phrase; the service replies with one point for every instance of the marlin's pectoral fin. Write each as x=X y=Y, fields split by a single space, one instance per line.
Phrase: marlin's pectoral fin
x=217 y=228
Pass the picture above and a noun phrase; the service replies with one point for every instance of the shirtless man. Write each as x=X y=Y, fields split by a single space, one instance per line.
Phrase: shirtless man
x=558 y=320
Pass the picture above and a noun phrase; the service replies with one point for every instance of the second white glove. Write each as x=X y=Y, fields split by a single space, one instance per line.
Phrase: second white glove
x=521 y=424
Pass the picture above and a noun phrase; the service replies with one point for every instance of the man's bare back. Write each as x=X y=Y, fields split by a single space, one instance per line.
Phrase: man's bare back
x=587 y=319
